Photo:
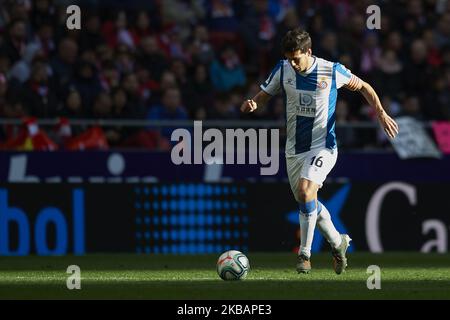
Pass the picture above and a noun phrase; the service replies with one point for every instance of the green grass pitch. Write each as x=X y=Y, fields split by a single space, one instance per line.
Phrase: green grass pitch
x=272 y=276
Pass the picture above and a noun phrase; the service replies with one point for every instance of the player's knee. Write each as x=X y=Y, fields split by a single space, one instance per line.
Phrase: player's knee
x=305 y=194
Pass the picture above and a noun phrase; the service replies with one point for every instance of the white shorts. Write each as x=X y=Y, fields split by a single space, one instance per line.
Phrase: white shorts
x=313 y=165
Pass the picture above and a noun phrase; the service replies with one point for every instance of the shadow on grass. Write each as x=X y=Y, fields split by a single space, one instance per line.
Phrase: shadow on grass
x=216 y=289
x=208 y=262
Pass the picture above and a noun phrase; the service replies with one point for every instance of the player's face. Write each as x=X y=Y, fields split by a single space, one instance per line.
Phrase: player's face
x=298 y=59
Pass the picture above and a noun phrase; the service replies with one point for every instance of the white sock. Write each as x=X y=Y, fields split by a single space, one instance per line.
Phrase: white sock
x=308 y=220
x=326 y=226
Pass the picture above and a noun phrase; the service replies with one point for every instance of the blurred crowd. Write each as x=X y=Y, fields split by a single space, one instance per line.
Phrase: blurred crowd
x=198 y=59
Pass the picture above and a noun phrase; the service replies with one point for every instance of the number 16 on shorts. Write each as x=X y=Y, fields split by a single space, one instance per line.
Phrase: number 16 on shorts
x=317 y=161
x=317 y=164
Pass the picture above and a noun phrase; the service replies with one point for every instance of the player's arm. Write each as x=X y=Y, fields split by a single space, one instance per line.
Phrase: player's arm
x=269 y=88
x=344 y=78
x=251 y=105
x=389 y=125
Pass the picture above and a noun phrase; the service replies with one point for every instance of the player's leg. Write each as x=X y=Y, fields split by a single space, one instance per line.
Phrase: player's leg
x=317 y=165
x=294 y=166
x=307 y=198
x=339 y=242
x=322 y=162
x=326 y=226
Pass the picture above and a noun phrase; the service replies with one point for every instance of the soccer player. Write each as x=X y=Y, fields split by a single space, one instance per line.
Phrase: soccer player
x=309 y=85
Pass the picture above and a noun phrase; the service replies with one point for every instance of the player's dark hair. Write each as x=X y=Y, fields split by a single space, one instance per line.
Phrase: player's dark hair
x=296 y=39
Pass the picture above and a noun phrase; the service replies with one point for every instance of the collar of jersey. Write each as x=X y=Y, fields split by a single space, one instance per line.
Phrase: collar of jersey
x=310 y=69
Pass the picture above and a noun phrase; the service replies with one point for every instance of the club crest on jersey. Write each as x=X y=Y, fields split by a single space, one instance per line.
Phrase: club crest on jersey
x=322 y=84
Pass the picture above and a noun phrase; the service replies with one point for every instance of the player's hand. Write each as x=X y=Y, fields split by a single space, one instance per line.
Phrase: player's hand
x=248 y=106
x=389 y=125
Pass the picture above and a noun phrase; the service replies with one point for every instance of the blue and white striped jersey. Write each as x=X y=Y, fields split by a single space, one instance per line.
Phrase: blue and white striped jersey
x=310 y=101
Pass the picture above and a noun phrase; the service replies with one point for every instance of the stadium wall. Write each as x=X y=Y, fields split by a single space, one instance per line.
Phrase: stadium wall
x=77 y=203
x=138 y=166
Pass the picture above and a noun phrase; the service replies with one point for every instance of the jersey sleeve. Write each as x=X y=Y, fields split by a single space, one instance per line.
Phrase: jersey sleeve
x=345 y=78
x=272 y=84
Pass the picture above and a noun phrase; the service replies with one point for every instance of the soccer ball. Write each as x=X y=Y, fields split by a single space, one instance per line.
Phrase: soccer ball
x=233 y=265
